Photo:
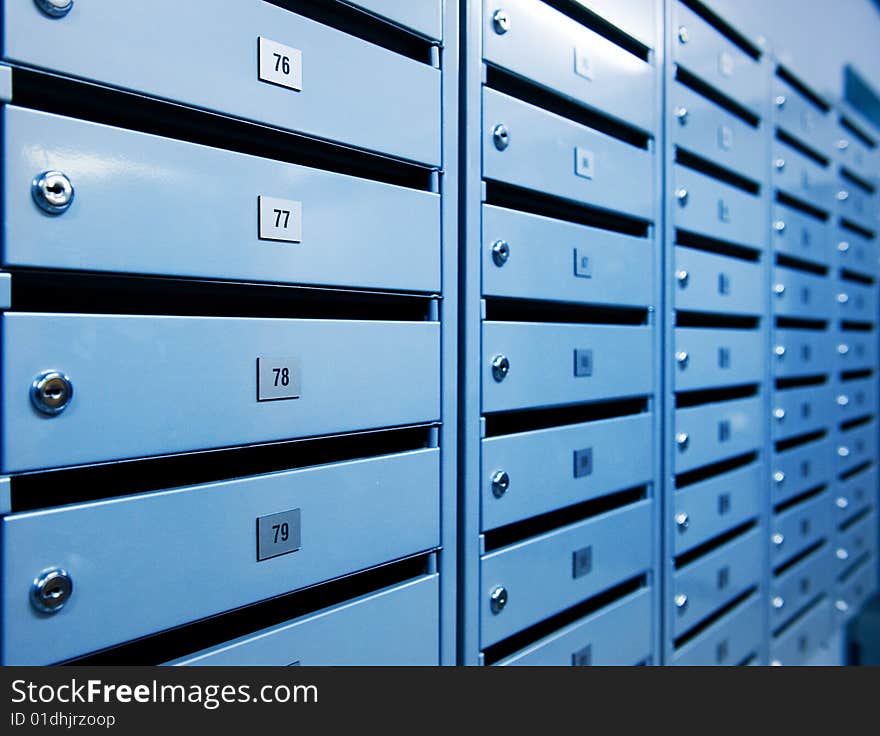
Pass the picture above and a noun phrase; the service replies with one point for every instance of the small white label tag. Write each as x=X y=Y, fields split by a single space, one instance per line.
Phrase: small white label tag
x=279 y=64
x=279 y=219
x=278 y=378
x=583 y=163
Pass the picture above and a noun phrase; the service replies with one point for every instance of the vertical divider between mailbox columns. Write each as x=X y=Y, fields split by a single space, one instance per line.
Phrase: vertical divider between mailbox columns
x=449 y=62
x=469 y=332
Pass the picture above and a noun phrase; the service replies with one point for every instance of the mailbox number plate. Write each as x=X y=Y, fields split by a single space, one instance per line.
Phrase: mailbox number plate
x=280 y=64
x=280 y=219
x=278 y=534
x=278 y=378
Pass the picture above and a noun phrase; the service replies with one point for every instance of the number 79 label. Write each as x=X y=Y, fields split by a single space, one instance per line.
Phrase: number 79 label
x=279 y=219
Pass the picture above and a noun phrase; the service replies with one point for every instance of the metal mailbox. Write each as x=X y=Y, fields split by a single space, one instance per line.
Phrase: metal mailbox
x=733 y=640
x=397 y=626
x=618 y=635
x=858 y=206
x=856 y=446
x=802 y=177
x=801 y=294
x=800 y=469
x=709 y=358
x=799 y=527
x=705 y=282
x=705 y=52
x=534 y=257
x=531 y=473
x=544 y=575
x=856 y=398
x=800 y=118
x=856 y=493
x=341 y=518
x=708 y=130
x=317 y=92
x=856 y=541
x=801 y=353
x=802 y=640
x=707 y=584
x=857 y=301
x=716 y=431
x=800 y=235
x=530 y=364
x=711 y=507
x=800 y=411
x=857 y=587
x=575 y=61
x=856 y=351
x=147 y=385
x=577 y=162
x=800 y=584
x=855 y=252
x=710 y=207
x=135 y=211
x=855 y=155
x=636 y=18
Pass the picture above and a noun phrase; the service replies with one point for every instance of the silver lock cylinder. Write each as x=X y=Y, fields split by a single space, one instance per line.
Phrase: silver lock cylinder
x=683 y=277
x=681 y=114
x=500 y=367
x=501 y=137
x=51 y=392
x=777 y=602
x=500 y=252
x=55 y=8
x=682 y=439
x=501 y=22
x=682 y=358
x=779 y=414
x=681 y=194
x=51 y=589
x=683 y=35
x=500 y=483
x=682 y=520
x=681 y=601
x=498 y=599
x=52 y=192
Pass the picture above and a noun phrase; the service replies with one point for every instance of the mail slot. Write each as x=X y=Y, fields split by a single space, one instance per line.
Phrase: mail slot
x=801 y=294
x=619 y=634
x=856 y=493
x=397 y=626
x=707 y=206
x=351 y=516
x=138 y=209
x=799 y=643
x=716 y=431
x=799 y=527
x=707 y=358
x=531 y=473
x=705 y=52
x=856 y=301
x=577 y=162
x=800 y=411
x=855 y=252
x=802 y=177
x=730 y=641
x=800 y=235
x=708 y=130
x=425 y=17
x=857 y=588
x=534 y=257
x=711 y=507
x=145 y=385
x=576 y=62
x=801 y=469
x=705 y=282
x=800 y=118
x=856 y=446
x=797 y=586
x=554 y=364
x=544 y=575
x=637 y=18
x=856 y=541
x=801 y=353
x=856 y=351
x=320 y=91
x=703 y=586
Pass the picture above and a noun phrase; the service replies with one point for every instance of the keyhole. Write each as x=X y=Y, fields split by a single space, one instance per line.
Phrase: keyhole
x=55 y=188
x=53 y=592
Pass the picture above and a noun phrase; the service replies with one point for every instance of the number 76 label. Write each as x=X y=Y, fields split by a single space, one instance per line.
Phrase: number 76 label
x=280 y=219
x=279 y=64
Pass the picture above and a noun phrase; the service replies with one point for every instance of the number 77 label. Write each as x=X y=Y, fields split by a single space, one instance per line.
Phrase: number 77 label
x=279 y=219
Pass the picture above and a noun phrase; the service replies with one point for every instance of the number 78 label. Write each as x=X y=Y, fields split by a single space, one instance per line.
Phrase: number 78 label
x=278 y=378
x=279 y=219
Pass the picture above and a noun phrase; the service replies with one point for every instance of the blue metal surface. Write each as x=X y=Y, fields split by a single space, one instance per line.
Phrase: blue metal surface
x=424 y=16
x=354 y=515
x=105 y=41
x=396 y=627
x=735 y=639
